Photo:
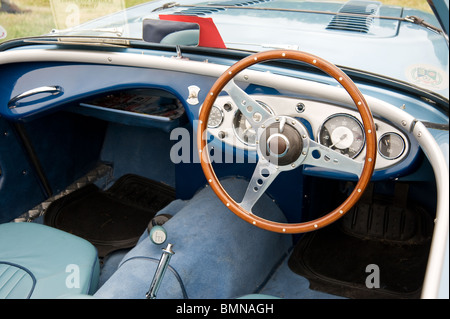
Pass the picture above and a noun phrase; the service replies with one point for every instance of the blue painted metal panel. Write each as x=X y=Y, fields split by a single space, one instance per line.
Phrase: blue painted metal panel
x=81 y=81
x=20 y=189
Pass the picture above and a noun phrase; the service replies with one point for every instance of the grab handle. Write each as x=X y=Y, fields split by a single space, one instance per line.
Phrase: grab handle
x=54 y=90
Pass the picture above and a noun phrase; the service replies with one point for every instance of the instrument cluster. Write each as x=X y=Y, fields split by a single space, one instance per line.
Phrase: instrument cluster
x=333 y=126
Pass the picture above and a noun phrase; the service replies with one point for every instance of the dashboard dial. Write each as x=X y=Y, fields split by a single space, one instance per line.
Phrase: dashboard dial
x=343 y=133
x=215 y=117
x=243 y=129
x=391 y=145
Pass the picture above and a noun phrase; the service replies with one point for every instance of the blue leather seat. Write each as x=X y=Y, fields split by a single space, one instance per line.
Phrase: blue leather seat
x=39 y=262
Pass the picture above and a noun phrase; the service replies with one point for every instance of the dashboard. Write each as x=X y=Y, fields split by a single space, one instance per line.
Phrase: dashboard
x=333 y=126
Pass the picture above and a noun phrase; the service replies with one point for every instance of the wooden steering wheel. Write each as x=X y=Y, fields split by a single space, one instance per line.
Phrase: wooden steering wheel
x=283 y=144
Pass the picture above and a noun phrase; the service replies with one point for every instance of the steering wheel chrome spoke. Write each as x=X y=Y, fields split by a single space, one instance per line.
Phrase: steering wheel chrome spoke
x=252 y=110
x=324 y=157
x=264 y=174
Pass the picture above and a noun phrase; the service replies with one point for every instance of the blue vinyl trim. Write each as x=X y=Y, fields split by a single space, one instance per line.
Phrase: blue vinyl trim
x=27 y=271
x=95 y=275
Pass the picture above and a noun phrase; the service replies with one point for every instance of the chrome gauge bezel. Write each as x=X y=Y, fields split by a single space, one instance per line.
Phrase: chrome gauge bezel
x=236 y=113
x=221 y=117
x=391 y=157
x=353 y=118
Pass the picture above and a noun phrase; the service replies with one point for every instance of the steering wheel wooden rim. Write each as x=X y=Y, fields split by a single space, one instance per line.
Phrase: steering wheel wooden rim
x=360 y=103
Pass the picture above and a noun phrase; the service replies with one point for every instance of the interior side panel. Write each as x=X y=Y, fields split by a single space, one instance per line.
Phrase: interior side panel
x=67 y=145
x=20 y=188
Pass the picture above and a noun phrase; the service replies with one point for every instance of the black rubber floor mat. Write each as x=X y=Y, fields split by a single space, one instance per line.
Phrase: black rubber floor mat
x=345 y=264
x=112 y=219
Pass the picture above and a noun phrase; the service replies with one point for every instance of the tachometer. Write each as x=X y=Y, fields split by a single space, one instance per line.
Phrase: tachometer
x=243 y=129
x=343 y=133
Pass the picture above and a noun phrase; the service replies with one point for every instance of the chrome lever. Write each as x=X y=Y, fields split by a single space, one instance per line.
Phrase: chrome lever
x=160 y=271
x=54 y=90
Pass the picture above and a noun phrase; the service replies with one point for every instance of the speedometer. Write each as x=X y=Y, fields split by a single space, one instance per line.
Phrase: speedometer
x=343 y=133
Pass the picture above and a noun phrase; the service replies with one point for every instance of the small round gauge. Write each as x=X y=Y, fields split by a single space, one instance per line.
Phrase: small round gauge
x=243 y=129
x=215 y=117
x=343 y=133
x=391 y=145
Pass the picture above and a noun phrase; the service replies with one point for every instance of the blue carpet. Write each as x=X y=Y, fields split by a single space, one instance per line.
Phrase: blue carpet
x=217 y=255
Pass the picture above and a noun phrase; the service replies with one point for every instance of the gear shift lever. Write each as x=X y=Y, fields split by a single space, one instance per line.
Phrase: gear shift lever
x=160 y=271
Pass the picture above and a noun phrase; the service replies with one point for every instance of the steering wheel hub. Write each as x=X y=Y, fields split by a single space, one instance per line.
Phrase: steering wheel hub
x=277 y=145
x=282 y=140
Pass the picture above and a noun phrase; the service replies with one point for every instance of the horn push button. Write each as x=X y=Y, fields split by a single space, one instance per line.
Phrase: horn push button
x=281 y=148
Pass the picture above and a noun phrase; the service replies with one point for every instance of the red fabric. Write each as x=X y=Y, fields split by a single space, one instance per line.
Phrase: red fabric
x=209 y=35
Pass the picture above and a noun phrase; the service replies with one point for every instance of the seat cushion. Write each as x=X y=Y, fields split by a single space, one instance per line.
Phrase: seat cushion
x=38 y=261
x=16 y=282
